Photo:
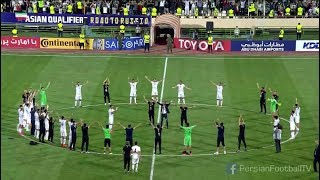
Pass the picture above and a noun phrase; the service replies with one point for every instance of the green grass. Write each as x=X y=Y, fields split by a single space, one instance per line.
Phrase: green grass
x=291 y=77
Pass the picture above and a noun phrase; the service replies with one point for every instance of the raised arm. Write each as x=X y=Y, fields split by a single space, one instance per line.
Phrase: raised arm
x=240 y=119
x=152 y=125
x=296 y=100
x=258 y=86
x=129 y=80
x=73 y=84
x=40 y=86
x=48 y=86
x=108 y=80
x=85 y=83
x=121 y=125
x=213 y=83
x=270 y=90
x=137 y=126
x=160 y=80
x=147 y=78
x=175 y=86
x=187 y=88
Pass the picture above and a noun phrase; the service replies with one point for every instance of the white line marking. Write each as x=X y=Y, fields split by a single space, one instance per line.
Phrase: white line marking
x=148 y=57
x=159 y=113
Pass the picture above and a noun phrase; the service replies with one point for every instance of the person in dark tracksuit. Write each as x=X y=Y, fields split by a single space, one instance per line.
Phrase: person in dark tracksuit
x=157 y=138
x=73 y=136
x=183 y=117
x=129 y=132
x=33 y=124
x=151 y=104
x=164 y=112
x=106 y=94
x=42 y=127
x=51 y=129
x=263 y=94
x=316 y=157
x=277 y=137
x=241 y=137
x=220 y=138
x=85 y=136
x=126 y=156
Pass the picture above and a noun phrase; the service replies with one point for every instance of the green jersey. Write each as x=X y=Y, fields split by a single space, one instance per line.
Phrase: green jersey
x=187 y=131
x=107 y=134
x=43 y=96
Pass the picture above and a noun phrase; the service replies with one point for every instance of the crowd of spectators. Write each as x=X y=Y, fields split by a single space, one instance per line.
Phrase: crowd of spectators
x=204 y=7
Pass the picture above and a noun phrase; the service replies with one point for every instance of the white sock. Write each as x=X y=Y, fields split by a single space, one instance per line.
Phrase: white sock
x=64 y=140
x=20 y=130
x=75 y=103
x=178 y=100
x=79 y=103
x=61 y=140
x=217 y=102
x=27 y=127
x=37 y=133
x=221 y=103
x=46 y=136
x=132 y=167
x=135 y=100
x=183 y=101
x=137 y=167
x=298 y=130
x=130 y=100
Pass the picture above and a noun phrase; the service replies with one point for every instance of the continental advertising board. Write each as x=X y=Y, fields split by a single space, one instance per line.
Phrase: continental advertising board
x=64 y=43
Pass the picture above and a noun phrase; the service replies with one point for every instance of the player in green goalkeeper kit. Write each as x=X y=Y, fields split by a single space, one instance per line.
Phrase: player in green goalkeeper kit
x=273 y=104
x=43 y=96
x=187 y=138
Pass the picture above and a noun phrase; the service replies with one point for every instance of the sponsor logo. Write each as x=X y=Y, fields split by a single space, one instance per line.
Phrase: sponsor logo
x=201 y=45
x=64 y=43
x=260 y=46
x=311 y=45
x=20 y=42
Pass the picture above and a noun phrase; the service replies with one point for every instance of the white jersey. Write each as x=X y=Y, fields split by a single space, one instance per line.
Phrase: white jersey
x=292 y=123
x=135 y=151
x=133 y=86
x=70 y=124
x=63 y=126
x=181 y=87
x=154 y=85
x=20 y=112
x=46 y=123
x=78 y=90
x=36 y=120
x=276 y=122
x=297 y=111
x=111 y=115
x=219 y=89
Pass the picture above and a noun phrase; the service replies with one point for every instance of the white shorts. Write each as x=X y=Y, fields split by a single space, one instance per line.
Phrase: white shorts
x=180 y=94
x=297 y=119
x=78 y=97
x=135 y=160
x=63 y=132
x=154 y=93
x=28 y=120
x=292 y=126
x=133 y=93
x=21 y=121
x=37 y=125
x=219 y=96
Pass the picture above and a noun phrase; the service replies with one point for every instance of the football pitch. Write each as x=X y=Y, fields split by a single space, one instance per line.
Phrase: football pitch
x=292 y=77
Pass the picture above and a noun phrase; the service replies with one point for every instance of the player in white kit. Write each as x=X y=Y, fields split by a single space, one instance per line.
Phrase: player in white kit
x=78 y=97
x=292 y=125
x=133 y=90
x=219 y=93
x=154 y=92
x=37 y=124
x=27 y=116
x=297 y=116
x=63 y=131
x=21 y=120
x=111 y=116
x=181 y=87
x=136 y=154
x=46 y=124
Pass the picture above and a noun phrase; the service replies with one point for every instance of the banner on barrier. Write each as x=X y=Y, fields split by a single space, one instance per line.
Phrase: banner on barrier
x=19 y=42
x=307 y=45
x=64 y=43
x=77 y=19
x=196 y=45
x=112 y=44
x=263 y=45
